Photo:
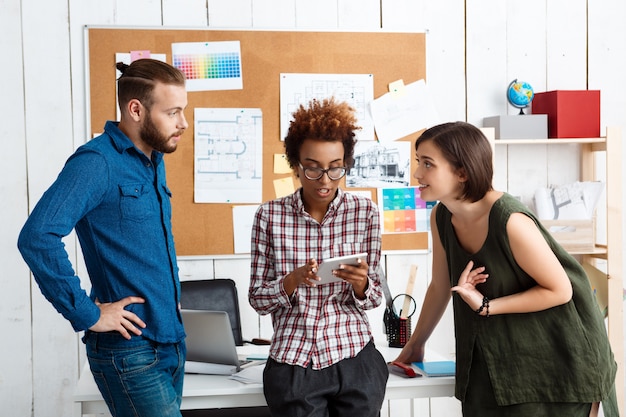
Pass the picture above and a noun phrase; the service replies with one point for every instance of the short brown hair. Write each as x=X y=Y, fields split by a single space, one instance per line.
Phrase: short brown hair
x=466 y=148
x=139 y=78
x=326 y=120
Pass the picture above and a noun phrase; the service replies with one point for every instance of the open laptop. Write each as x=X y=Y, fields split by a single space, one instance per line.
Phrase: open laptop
x=210 y=343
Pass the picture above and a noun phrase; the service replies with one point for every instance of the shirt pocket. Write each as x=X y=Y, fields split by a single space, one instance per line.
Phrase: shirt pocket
x=166 y=205
x=344 y=249
x=136 y=201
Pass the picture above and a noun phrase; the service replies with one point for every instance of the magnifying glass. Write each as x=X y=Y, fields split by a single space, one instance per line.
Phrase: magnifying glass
x=404 y=303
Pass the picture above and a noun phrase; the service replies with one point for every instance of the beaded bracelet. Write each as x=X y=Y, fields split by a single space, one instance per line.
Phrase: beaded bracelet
x=484 y=306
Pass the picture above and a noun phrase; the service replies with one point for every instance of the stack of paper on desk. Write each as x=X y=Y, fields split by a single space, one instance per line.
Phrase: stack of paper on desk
x=193 y=367
x=250 y=375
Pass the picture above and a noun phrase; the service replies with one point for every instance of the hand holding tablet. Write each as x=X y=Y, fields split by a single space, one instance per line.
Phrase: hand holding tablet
x=325 y=270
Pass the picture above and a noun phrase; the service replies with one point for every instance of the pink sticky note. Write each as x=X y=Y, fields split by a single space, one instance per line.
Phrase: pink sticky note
x=135 y=55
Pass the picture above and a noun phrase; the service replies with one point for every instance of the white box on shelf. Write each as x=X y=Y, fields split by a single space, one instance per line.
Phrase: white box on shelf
x=519 y=126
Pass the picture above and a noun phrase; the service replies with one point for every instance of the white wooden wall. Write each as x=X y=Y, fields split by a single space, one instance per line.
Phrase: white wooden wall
x=474 y=49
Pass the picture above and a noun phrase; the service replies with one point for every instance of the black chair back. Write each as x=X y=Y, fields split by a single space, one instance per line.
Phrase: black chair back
x=214 y=294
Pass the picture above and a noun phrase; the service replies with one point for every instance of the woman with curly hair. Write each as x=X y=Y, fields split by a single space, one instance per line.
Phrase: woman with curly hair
x=322 y=358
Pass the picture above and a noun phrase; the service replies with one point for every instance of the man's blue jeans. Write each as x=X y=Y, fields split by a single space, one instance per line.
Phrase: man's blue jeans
x=137 y=377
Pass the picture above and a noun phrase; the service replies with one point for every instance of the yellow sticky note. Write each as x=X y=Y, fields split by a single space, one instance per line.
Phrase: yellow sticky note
x=396 y=88
x=281 y=166
x=283 y=186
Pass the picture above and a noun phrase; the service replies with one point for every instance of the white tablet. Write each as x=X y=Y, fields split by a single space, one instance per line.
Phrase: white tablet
x=325 y=270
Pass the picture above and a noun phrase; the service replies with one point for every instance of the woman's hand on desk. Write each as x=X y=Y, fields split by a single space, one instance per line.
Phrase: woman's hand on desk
x=411 y=353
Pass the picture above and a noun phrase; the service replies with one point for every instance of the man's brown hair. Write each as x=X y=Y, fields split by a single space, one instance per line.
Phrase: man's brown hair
x=139 y=78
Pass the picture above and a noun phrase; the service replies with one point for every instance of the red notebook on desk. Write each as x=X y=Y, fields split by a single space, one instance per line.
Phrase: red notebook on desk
x=402 y=369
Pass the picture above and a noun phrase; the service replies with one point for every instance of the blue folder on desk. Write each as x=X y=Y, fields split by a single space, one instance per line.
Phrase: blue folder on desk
x=436 y=368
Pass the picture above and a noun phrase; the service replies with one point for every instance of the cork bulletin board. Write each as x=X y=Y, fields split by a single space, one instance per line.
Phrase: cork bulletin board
x=207 y=229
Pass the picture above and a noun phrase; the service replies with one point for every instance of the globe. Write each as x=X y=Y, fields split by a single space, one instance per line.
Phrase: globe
x=520 y=94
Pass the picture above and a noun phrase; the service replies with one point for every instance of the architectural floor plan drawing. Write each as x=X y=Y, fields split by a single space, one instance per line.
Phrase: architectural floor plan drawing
x=355 y=89
x=228 y=155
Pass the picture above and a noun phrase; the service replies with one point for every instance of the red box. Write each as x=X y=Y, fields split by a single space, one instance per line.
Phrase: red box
x=571 y=113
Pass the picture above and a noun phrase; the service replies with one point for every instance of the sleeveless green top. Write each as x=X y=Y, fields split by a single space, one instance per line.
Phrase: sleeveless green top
x=557 y=355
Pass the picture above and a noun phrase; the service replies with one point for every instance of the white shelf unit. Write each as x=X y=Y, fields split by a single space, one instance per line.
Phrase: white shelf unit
x=606 y=256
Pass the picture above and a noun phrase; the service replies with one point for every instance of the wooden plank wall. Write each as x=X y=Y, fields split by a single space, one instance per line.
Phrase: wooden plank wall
x=474 y=49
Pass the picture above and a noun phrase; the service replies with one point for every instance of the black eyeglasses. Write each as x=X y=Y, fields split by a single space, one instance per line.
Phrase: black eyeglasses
x=334 y=173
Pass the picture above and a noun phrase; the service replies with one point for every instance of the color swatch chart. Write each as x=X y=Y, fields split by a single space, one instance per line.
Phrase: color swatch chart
x=403 y=211
x=200 y=66
x=209 y=65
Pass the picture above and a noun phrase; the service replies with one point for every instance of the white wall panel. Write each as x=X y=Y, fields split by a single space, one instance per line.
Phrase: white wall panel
x=15 y=313
x=49 y=137
x=232 y=13
x=84 y=12
x=192 y=268
x=319 y=14
x=566 y=26
x=486 y=74
x=185 y=13
x=138 y=13
x=607 y=60
x=500 y=168
x=563 y=164
x=274 y=14
x=528 y=167
x=444 y=407
x=358 y=14
x=400 y=408
x=445 y=57
x=525 y=48
x=404 y=15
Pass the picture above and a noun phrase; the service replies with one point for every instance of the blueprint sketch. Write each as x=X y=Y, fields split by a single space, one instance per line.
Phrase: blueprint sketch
x=228 y=155
x=355 y=89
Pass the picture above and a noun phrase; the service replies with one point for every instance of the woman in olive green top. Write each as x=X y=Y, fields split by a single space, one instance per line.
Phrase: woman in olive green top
x=530 y=338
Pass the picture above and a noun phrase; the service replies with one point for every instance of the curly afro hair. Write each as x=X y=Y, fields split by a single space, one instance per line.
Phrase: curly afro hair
x=327 y=120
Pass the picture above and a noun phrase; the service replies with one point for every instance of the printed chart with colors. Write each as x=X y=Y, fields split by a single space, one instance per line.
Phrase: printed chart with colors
x=209 y=65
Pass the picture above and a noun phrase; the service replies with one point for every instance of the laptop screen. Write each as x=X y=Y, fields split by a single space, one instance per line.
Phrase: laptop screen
x=209 y=337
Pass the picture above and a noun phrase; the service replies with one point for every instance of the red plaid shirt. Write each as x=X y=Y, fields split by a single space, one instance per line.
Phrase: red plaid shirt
x=322 y=324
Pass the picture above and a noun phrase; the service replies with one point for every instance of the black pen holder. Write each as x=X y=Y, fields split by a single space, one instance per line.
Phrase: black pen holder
x=398 y=329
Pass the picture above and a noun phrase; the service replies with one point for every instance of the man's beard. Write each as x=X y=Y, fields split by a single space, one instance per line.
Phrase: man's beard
x=152 y=137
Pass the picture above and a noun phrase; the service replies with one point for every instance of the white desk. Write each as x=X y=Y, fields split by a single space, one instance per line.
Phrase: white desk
x=216 y=391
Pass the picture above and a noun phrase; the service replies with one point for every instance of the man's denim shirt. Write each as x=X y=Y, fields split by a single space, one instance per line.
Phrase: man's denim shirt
x=118 y=201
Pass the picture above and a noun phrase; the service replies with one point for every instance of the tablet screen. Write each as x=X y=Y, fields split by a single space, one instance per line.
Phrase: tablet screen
x=325 y=270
